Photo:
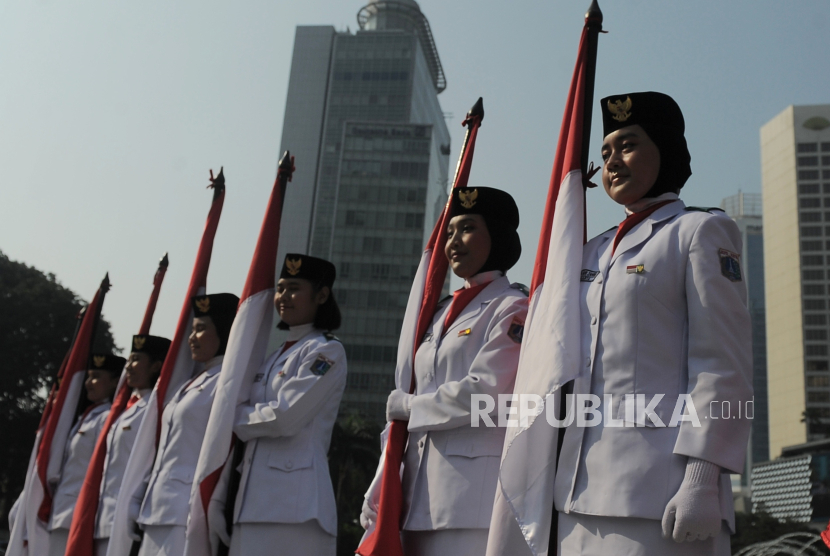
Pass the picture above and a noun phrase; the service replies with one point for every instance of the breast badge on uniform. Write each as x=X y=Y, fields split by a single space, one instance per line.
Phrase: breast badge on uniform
x=635 y=269
x=730 y=265
x=321 y=365
x=588 y=275
x=516 y=330
x=465 y=332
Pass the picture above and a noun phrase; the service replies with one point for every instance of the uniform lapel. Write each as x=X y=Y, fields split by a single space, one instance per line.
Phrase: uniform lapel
x=486 y=295
x=643 y=230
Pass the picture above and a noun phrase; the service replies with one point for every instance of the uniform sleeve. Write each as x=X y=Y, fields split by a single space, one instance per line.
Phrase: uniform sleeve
x=720 y=346
x=298 y=400
x=492 y=372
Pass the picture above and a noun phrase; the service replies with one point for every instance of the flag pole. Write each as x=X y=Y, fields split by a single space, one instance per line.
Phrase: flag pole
x=593 y=25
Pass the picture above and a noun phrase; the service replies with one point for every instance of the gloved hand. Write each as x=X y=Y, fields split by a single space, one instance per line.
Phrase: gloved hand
x=132 y=519
x=217 y=525
x=369 y=514
x=693 y=513
x=398 y=406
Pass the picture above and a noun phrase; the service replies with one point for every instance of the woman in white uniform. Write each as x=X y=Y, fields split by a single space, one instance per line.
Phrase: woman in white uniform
x=101 y=381
x=663 y=313
x=285 y=500
x=471 y=347
x=143 y=368
x=166 y=504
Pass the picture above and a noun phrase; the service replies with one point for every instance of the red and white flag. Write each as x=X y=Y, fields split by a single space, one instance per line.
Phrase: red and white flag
x=82 y=531
x=246 y=351
x=29 y=535
x=384 y=539
x=552 y=345
x=178 y=367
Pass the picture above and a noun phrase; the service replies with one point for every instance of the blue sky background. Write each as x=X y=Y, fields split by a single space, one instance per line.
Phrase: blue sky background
x=111 y=114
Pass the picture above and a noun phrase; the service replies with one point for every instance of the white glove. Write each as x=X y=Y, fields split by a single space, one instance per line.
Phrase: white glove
x=132 y=519
x=369 y=514
x=693 y=513
x=217 y=525
x=399 y=406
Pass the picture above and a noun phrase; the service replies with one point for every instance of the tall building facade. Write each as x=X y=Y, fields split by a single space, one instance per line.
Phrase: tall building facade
x=795 y=172
x=372 y=148
x=745 y=210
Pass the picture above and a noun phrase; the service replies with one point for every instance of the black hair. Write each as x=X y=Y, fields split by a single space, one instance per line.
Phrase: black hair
x=327 y=316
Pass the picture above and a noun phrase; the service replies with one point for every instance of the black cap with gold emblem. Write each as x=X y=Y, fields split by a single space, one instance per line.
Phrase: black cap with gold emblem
x=501 y=214
x=154 y=346
x=309 y=268
x=107 y=362
x=221 y=308
x=660 y=116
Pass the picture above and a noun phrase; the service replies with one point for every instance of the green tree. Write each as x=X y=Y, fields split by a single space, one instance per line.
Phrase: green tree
x=37 y=321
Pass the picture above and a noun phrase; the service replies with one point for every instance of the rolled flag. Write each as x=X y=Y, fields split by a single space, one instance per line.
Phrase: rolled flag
x=81 y=532
x=551 y=347
x=384 y=539
x=244 y=355
x=29 y=535
x=178 y=367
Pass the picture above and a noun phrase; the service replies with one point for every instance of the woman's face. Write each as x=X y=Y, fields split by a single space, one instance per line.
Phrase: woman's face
x=297 y=302
x=204 y=340
x=632 y=163
x=142 y=372
x=468 y=244
x=100 y=385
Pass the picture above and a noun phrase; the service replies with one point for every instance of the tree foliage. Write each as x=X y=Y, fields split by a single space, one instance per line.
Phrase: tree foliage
x=38 y=317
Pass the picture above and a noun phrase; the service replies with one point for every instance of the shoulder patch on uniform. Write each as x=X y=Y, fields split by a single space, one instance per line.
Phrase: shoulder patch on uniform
x=521 y=287
x=704 y=209
x=331 y=337
x=516 y=330
x=730 y=265
x=321 y=365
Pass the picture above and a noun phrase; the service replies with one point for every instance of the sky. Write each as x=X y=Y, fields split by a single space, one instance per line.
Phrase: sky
x=112 y=113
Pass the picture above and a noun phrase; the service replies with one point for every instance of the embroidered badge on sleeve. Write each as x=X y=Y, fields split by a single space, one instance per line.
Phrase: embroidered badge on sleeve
x=730 y=265
x=516 y=330
x=321 y=365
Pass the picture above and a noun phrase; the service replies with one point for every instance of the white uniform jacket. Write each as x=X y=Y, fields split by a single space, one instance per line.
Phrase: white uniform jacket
x=79 y=448
x=287 y=431
x=450 y=468
x=120 y=440
x=665 y=315
x=184 y=421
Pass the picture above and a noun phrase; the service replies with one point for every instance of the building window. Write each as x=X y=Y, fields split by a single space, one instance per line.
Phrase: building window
x=372 y=244
x=818 y=381
x=815 y=305
x=812 y=260
x=813 y=274
x=815 y=320
x=808 y=188
x=825 y=160
x=808 y=161
x=818 y=397
x=812 y=216
x=808 y=174
x=816 y=350
x=810 y=231
x=825 y=147
x=814 y=289
x=816 y=335
x=807 y=147
x=809 y=203
x=826 y=186
x=816 y=365
x=827 y=201
x=812 y=246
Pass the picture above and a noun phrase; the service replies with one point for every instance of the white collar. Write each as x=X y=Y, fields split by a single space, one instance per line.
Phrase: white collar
x=482 y=278
x=143 y=393
x=297 y=332
x=646 y=202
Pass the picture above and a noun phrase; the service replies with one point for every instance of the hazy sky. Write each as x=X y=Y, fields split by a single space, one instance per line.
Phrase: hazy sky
x=111 y=114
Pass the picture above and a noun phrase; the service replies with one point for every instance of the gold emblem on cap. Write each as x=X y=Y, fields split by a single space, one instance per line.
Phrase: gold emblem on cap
x=138 y=342
x=293 y=266
x=99 y=360
x=468 y=198
x=203 y=304
x=620 y=109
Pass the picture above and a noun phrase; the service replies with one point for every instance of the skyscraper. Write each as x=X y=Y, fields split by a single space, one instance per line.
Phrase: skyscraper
x=372 y=148
x=795 y=171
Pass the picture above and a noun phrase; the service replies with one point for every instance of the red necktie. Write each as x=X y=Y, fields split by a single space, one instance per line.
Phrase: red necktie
x=85 y=413
x=132 y=401
x=634 y=219
x=287 y=345
x=460 y=299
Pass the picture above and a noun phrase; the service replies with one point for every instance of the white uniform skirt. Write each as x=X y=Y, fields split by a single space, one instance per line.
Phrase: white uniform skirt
x=57 y=541
x=272 y=539
x=593 y=535
x=445 y=542
x=163 y=540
